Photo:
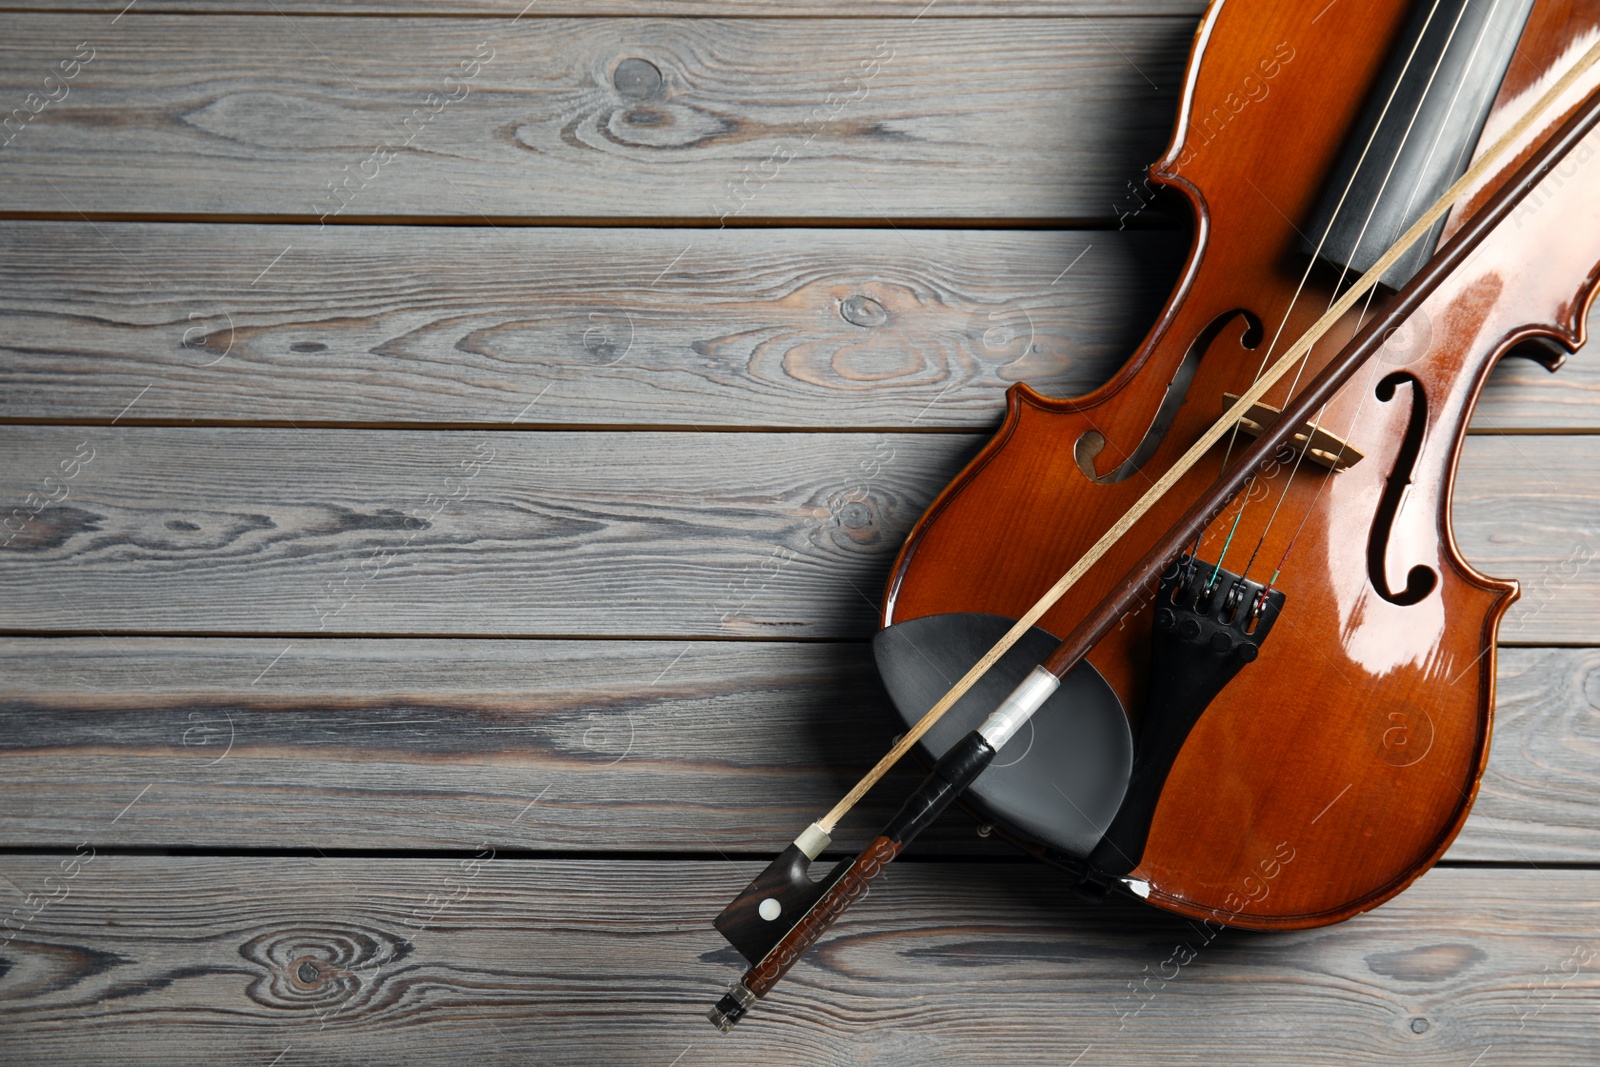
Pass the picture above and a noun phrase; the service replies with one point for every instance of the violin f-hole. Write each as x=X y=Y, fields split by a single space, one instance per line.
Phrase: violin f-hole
x=1420 y=580
x=1089 y=446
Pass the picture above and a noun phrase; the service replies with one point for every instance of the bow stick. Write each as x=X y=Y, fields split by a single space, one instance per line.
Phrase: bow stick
x=965 y=760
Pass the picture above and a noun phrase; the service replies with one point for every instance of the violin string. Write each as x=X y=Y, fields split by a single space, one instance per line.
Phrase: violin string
x=1212 y=581
x=1383 y=186
x=1311 y=507
x=1311 y=263
x=1323 y=484
x=1416 y=187
x=1355 y=418
x=1367 y=388
x=1585 y=119
x=1461 y=85
x=1332 y=219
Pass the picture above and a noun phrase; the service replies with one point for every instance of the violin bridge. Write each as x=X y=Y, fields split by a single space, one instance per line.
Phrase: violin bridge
x=1319 y=446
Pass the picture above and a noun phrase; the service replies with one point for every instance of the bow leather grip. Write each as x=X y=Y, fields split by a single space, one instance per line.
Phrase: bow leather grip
x=956 y=770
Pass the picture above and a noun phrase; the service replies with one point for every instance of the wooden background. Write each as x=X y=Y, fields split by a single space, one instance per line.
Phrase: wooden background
x=537 y=504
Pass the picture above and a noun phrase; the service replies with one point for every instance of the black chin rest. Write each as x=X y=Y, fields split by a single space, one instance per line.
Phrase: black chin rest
x=1060 y=781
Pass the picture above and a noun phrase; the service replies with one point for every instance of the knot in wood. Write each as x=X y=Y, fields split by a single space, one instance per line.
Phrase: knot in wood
x=855 y=515
x=637 y=79
x=862 y=311
x=317 y=968
x=1427 y=963
x=857 y=521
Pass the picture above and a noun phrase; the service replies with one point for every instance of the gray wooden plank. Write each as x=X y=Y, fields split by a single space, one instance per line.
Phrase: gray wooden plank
x=626 y=745
x=1522 y=395
x=1525 y=508
x=751 y=118
x=602 y=326
x=988 y=9
x=176 y=961
x=1543 y=778
x=614 y=745
x=431 y=325
x=489 y=533
x=563 y=533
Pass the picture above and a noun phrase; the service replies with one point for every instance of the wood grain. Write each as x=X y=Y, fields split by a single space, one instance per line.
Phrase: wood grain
x=1524 y=509
x=853 y=118
x=1370 y=648
x=436 y=325
x=586 y=962
x=554 y=533
x=1544 y=760
x=1520 y=394
x=813 y=329
x=697 y=747
x=644 y=746
x=295 y=735
x=493 y=533
x=988 y=9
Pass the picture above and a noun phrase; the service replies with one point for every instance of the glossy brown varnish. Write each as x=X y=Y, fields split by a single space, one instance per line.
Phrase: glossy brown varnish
x=1355 y=744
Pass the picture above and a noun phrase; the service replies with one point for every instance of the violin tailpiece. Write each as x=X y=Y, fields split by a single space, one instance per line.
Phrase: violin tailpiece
x=1209 y=623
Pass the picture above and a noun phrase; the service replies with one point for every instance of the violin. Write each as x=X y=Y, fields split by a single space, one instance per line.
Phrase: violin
x=1203 y=635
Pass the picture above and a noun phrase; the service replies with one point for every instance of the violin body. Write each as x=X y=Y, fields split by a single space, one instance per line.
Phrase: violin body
x=1339 y=765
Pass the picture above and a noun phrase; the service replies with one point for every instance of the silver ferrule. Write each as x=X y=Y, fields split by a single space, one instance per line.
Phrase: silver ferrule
x=812 y=841
x=1019 y=707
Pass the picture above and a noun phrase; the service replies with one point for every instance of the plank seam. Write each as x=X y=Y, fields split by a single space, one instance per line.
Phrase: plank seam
x=485 y=16
x=463 y=426
x=1148 y=221
x=627 y=856
x=382 y=635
